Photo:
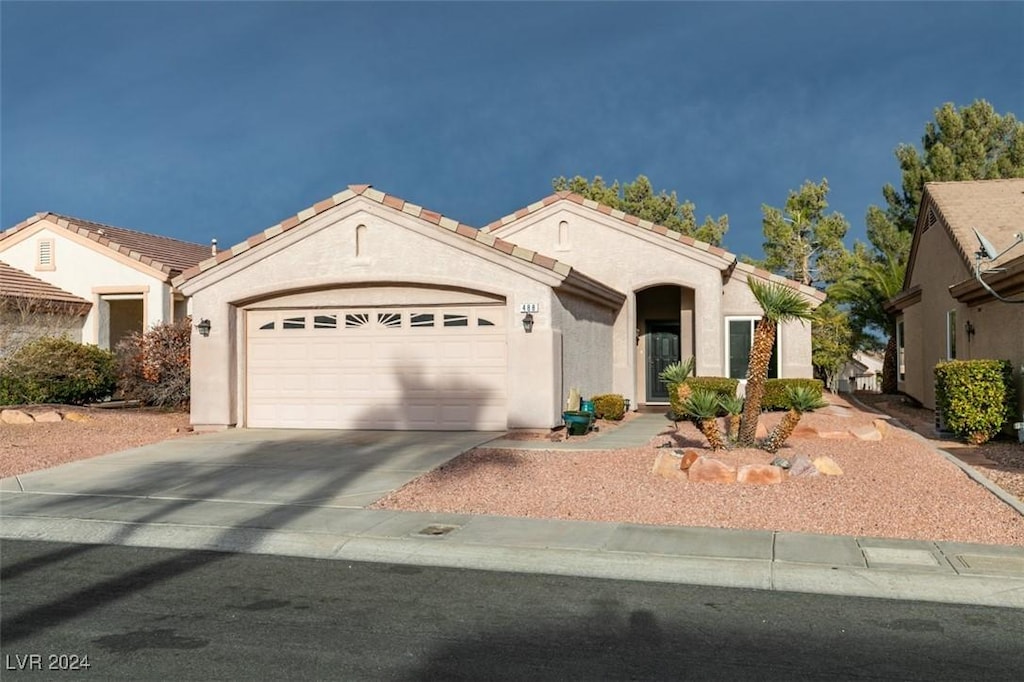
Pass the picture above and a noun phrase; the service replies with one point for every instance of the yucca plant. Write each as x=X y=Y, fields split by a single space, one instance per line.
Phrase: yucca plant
x=801 y=399
x=702 y=407
x=779 y=303
x=734 y=408
x=677 y=372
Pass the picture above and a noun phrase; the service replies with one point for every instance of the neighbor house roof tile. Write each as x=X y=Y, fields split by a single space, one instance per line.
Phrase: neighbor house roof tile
x=170 y=256
x=15 y=283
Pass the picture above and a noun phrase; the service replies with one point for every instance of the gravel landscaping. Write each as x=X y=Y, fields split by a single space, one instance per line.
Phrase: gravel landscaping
x=898 y=487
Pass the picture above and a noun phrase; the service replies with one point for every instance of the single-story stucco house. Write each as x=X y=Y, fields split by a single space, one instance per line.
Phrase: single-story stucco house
x=943 y=311
x=30 y=308
x=124 y=275
x=367 y=311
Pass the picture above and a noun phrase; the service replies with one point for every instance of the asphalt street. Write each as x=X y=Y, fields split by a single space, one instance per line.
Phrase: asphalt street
x=144 y=614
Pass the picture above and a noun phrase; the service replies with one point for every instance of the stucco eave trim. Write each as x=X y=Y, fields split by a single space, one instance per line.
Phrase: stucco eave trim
x=1010 y=282
x=578 y=284
x=904 y=300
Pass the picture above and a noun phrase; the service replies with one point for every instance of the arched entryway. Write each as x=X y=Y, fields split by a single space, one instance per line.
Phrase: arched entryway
x=665 y=334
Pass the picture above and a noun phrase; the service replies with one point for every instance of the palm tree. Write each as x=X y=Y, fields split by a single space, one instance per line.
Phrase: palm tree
x=801 y=399
x=702 y=407
x=871 y=284
x=779 y=304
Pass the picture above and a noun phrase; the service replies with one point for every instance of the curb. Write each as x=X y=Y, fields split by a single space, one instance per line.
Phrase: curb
x=738 y=573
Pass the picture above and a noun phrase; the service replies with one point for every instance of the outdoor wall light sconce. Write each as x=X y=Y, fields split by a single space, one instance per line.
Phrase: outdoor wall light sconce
x=969 y=328
x=203 y=327
x=528 y=322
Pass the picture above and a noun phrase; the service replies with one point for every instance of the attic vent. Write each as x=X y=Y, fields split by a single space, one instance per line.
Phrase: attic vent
x=931 y=219
x=44 y=254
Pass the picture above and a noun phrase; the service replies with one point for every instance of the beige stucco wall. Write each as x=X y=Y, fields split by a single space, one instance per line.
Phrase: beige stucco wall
x=999 y=335
x=81 y=270
x=937 y=267
x=587 y=342
x=628 y=259
x=396 y=249
x=17 y=327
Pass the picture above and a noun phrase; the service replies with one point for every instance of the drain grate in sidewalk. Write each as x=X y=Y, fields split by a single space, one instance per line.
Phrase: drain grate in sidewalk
x=436 y=530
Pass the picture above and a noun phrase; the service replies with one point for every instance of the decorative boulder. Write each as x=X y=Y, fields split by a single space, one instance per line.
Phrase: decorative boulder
x=666 y=465
x=50 y=416
x=15 y=417
x=802 y=467
x=866 y=433
x=780 y=462
x=708 y=470
x=759 y=474
x=76 y=417
x=827 y=466
x=689 y=457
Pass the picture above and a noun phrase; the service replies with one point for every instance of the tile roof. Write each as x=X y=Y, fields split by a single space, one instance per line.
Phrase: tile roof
x=656 y=229
x=483 y=236
x=170 y=256
x=15 y=283
x=391 y=201
x=994 y=207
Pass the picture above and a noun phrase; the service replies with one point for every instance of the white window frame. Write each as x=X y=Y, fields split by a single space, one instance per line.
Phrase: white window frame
x=901 y=360
x=951 y=334
x=753 y=319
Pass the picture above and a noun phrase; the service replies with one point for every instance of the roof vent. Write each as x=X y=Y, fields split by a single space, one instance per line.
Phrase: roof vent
x=213 y=247
x=931 y=220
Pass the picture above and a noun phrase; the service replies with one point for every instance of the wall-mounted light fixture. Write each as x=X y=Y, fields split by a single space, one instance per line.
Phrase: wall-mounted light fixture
x=528 y=322
x=203 y=327
x=969 y=328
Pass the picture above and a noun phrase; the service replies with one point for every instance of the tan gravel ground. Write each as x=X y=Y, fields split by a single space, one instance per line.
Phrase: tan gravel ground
x=898 y=487
x=28 y=447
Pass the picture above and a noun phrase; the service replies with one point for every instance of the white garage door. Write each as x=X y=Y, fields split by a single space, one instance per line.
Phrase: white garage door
x=425 y=367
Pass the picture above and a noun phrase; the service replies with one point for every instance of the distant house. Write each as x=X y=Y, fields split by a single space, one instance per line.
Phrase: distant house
x=368 y=311
x=944 y=312
x=122 y=277
x=863 y=372
x=30 y=307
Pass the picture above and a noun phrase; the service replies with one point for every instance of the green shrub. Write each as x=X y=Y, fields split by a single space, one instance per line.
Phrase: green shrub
x=776 y=396
x=723 y=387
x=57 y=370
x=975 y=397
x=155 y=367
x=609 y=406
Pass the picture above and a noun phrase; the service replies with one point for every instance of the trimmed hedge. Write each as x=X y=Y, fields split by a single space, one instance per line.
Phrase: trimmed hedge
x=975 y=397
x=775 y=397
x=610 y=406
x=57 y=370
x=724 y=387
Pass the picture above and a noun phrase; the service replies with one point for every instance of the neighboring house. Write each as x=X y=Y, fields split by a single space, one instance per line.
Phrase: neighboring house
x=125 y=275
x=943 y=311
x=30 y=308
x=863 y=372
x=366 y=311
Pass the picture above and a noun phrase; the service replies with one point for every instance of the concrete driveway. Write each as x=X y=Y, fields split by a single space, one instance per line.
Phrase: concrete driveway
x=345 y=469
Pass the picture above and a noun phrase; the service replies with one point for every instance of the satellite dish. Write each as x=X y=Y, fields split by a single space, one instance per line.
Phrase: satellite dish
x=987 y=250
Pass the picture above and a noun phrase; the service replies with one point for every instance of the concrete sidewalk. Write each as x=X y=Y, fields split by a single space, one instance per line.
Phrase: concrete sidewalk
x=304 y=494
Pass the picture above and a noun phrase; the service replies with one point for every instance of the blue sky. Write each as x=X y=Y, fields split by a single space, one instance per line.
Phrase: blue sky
x=200 y=120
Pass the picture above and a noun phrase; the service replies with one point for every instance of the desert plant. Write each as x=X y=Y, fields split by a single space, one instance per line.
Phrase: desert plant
x=57 y=370
x=723 y=386
x=801 y=399
x=677 y=372
x=702 y=406
x=779 y=304
x=733 y=406
x=154 y=367
x=609 y=406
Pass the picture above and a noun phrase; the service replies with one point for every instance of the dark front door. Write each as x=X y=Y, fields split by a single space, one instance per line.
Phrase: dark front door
x=662 y=351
